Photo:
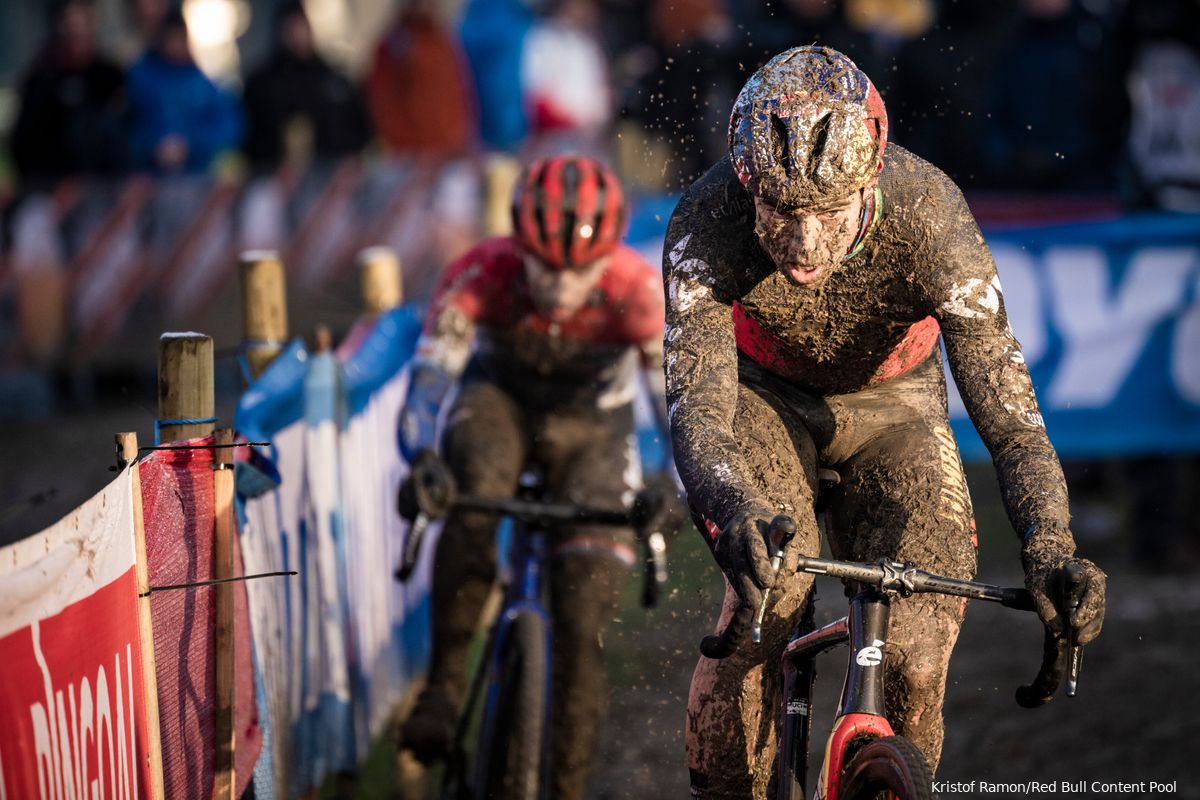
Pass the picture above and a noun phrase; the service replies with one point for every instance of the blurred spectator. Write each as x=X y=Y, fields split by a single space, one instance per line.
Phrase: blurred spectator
x=297 y=106
x=771 y=26
x=1056 y=104
x=144 y=19
x=568 y=95
x=493 y=37
x=1160 y=55
x=940 y=97
x=182 y=120
x=688 y=94
x=1161 y=59
x=72 y=123
x=419 y=89
x=73 y=107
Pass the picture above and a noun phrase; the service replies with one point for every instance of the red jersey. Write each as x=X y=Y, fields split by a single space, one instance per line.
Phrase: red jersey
x=588 y=358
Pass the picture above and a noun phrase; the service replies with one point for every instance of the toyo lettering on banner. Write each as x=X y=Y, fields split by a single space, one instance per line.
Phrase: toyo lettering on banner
x=1108 y=316
x=72 y=696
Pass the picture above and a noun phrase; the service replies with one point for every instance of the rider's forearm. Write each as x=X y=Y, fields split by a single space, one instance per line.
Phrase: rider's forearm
x=440 y=358
x=702 y=389
x=996 y=389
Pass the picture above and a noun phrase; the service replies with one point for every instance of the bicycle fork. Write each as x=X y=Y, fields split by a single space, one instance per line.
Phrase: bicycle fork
x=860 y=711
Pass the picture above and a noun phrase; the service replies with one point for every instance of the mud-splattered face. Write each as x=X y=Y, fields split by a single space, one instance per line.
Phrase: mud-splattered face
x=560 y=293
x=807 y=243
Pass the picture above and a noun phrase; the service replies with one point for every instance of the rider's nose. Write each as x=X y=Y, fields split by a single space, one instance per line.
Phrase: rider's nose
x=808 y=234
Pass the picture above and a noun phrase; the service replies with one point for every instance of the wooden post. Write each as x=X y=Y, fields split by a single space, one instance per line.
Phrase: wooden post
x=127 y=451
x=322 y=339
x=264 y=308
x=185 y=385
x=224 y=781
x=499 y=177
x=380 y=279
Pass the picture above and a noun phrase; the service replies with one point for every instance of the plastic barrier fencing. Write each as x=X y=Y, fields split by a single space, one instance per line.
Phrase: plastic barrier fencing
x=339 y=644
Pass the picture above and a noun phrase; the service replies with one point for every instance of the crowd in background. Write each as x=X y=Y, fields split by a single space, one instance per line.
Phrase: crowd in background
x=1097 y=98
x=1015 y=95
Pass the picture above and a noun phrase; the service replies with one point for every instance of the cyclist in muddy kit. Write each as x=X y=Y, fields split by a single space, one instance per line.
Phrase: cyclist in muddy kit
x=809 y=275
x=548 y=329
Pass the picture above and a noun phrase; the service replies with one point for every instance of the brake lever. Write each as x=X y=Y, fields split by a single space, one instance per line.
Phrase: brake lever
x=655 y=576
x=1074 y=585
x=779 y=534
x=1060 y=655
x=412 y=547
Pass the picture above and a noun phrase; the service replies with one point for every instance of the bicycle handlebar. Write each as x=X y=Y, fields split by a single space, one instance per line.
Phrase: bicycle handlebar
x=639 y=517
x=1060 y=655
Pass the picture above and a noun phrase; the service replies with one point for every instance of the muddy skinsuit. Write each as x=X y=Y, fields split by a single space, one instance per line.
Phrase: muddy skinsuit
x=767 y=379
x=555 y=394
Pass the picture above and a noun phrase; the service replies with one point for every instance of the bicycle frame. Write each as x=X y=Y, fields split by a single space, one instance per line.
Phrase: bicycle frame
x=860 y=710
x=523 y=593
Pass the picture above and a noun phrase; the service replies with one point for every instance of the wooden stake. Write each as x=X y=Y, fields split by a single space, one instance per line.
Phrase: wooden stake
x=185 y=385
x=380 y=279
x=224 y=782
x=322 y=339
x=499 y=177
x=264 y=308
x=127 y=451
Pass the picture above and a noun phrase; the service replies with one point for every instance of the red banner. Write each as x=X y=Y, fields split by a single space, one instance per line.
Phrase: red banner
x=72 y=698
x=73 y=695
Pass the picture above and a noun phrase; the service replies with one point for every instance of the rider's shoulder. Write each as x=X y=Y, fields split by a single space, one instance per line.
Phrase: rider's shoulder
x=495 y=254
x=717 y=196
x=495 y=249
x=913 y=186
x=630 y=276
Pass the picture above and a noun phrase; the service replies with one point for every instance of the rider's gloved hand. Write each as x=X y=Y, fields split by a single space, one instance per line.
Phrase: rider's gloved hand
x=1045 y=557
x=428 y=488
x=416 y=429
x=666 y=509
x=741 y=552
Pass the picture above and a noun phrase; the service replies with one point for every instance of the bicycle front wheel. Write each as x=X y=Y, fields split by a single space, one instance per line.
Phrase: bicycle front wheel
x=515 y=767
x=891 y=767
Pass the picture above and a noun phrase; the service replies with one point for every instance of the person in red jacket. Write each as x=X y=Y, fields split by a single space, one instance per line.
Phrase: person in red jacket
x=544 y=331
x=418 y=87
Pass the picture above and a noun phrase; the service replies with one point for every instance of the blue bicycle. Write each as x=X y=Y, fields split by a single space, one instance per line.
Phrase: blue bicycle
x=507 y=712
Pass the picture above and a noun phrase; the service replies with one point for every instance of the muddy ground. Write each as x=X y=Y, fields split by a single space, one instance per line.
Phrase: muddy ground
x=1139 y=692
x=1139 y=689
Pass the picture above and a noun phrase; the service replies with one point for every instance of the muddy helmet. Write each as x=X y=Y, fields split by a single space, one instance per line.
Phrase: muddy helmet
x=808 y=128
x=568 y=211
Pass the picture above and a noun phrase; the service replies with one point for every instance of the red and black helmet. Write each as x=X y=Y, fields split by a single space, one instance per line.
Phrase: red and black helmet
x=568 y=211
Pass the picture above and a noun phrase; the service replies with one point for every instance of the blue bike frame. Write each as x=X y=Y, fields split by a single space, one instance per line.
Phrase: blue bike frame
x=523 y=593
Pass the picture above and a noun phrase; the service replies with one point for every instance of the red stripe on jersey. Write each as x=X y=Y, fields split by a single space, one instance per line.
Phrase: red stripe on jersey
x=774 y=353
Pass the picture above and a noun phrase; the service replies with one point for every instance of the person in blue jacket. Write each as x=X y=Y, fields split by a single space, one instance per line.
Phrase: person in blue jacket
x=181 y=120
x=493 y=37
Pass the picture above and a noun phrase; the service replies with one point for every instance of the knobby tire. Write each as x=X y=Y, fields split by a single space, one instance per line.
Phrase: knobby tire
x=890 y=767
x=515 y=762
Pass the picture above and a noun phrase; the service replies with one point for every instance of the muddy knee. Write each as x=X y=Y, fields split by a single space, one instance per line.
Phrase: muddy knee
x=919 y=648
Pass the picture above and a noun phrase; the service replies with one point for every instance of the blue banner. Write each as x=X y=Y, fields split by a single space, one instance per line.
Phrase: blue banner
x=1108 y=314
